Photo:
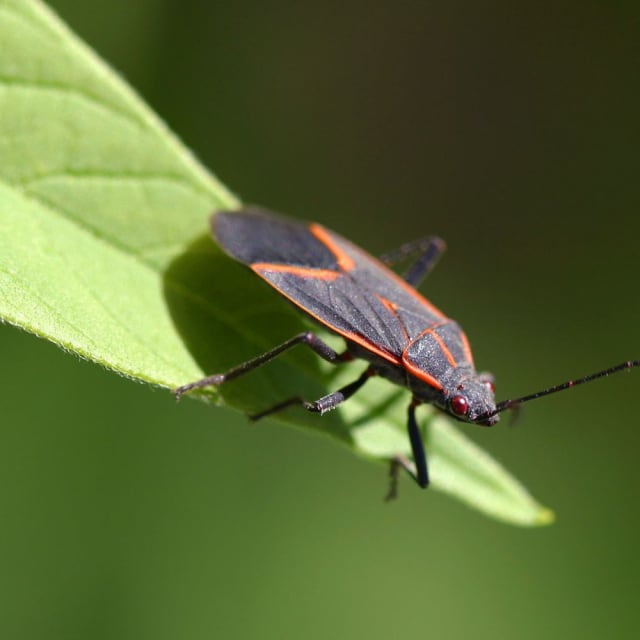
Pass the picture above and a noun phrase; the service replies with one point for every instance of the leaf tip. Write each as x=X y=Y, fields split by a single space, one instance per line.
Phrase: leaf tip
x=545 y=517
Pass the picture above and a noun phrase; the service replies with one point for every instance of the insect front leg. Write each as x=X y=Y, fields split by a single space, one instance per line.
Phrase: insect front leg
x=308 y=338
x=421 y=472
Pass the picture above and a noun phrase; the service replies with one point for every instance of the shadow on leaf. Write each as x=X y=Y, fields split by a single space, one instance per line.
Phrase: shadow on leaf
x=225 y=315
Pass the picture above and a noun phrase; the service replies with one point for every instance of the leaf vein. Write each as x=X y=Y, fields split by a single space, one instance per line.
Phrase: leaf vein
x=55 y=87
x=151 y=176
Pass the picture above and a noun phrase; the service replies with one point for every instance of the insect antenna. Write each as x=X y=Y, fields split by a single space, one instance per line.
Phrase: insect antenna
x=508 y=404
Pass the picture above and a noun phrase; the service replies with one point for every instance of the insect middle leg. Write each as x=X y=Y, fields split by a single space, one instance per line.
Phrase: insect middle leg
x=322 y=405
x=429 y=249
x=308 y=338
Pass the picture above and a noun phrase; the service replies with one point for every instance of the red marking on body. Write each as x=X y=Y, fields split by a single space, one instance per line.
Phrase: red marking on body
x=442 y=344
x=391 y=306
x=420 y=374
x=466 y=347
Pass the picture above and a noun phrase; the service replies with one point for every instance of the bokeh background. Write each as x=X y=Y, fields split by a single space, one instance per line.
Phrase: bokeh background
x=510 y=129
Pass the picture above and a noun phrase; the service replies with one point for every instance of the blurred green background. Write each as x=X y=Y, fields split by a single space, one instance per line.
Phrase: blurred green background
x=511 y=130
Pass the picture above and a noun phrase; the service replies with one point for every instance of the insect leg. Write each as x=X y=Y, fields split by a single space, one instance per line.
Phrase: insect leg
x=322 y=405
x=417 y=447
x=421 y=472
x=308 y=338
x=429 y=249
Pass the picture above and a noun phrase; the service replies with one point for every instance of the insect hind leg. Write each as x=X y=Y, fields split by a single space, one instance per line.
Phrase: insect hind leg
x=308 y=338
x=322 y=405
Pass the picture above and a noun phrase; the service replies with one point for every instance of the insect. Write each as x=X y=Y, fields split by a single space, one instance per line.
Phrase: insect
x=381 y=316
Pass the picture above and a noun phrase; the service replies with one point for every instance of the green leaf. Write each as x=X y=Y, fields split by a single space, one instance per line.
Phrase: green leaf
x=104 y=250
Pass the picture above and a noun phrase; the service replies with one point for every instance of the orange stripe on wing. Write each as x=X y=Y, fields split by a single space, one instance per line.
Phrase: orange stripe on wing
x=367 y=344
x=263 y=269
x=416 y=295
x=392 y=307
x=345 y=261
x=301 y=272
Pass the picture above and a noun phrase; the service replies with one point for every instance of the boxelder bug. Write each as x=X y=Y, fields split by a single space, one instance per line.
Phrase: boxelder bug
x=383 y=319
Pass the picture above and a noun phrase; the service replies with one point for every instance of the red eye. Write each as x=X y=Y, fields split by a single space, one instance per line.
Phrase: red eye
x=459 y=405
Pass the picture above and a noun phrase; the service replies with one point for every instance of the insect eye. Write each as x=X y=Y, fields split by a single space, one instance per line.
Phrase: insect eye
x=490 y=386
x=459 y=405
